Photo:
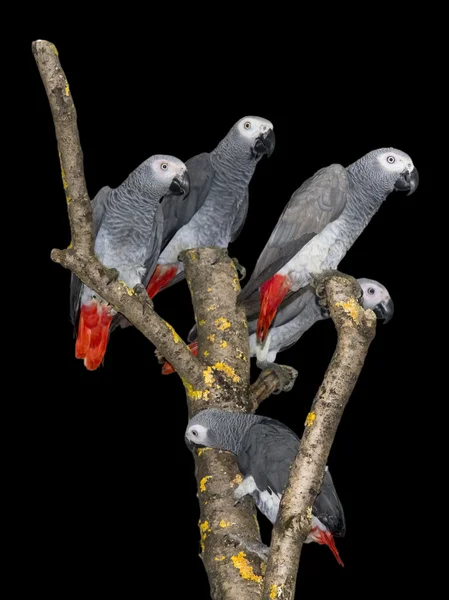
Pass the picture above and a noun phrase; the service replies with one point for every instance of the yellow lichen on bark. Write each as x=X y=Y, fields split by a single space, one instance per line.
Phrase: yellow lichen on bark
x=203 y=483
x=352 y=308
x=310 y=419
x=246 y=571
x=222 y=324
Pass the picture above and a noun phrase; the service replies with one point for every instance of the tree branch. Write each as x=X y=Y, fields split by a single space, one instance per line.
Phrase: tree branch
x=219 y=376
x=223 y=349
x=356 y=329
x=79 y=256
x=269 y=383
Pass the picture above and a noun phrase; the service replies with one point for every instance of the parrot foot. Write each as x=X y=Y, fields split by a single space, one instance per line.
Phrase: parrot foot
x=240 y=269
x=143 y=296
x=160 y=358
x=287 y=375
x=318 y=281
x=256 y=548
x=113 y=275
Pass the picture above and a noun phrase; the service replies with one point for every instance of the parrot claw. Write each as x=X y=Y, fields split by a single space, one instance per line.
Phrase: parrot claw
x=160 y=358
x=240 y=269
x=143 y=296
x=113 y=275
x=257 y=548
x=286 y=375
x=320 y=279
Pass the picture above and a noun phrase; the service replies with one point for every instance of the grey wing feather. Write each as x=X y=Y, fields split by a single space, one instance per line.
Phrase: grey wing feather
x=98 y=204
x=268 y=450
x=316 y=203
x=240 y=218
x=328 y=507
x=154 y=248
x=290 y=308
x=178 y=210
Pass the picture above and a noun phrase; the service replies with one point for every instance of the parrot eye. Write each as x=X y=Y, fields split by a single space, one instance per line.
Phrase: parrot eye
x=247 y=125
x=371 y=291
x=164 y=166
x=391 y=159
x=194 y=432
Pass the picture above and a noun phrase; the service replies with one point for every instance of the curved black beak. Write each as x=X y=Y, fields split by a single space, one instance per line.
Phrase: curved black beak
x=265 y=143
x=191 y=445
x=180 y=184
x=384 y=310
x=408 y=181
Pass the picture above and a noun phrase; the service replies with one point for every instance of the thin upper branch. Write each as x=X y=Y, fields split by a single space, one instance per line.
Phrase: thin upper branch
x=356 y=329
x=80 y=257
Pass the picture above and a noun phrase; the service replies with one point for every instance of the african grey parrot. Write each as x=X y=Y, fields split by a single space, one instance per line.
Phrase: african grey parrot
x=322 y=220
x=127 y=229
x=265 y=450
x=294 y=319
x=289 y=327
x=214 y=211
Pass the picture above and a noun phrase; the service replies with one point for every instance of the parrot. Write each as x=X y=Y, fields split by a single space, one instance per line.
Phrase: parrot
x=294 y=319
x=265 y=449
x=289 y=327
x=127 y=227
x=214 y=211
x=319 y=224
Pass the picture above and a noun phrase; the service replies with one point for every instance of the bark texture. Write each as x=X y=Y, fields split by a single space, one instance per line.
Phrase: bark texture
x=223 y=351
x=356 y=329
x=79 y=257
x=219 y=376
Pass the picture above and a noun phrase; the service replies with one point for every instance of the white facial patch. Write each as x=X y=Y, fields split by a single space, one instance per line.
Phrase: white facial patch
x=373 y=294
x=197 y=434
x=251 y=127
x=395 y=163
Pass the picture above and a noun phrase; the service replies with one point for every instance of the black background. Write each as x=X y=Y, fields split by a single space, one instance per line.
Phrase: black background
x=113 y=496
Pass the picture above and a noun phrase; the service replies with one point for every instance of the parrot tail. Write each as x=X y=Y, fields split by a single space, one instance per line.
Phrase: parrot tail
x=162 y=275
x=93 y=331
x=272 y=292
x=167 y=369
x=325 y=537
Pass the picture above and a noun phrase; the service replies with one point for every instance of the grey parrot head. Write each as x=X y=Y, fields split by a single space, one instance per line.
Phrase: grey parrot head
x=254 y=135
x=390 y=169
x=214 y=428
x=161 y=174
x=377 y=298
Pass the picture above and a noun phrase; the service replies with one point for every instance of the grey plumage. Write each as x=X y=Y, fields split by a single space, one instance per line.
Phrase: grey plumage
x=215 y=210
x=265 y=449
x=301 y=313
x=293 y=320
x=323 y=219
x=128 y=227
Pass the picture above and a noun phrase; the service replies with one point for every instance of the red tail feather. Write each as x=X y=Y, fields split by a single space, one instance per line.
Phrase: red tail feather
x=325 y=537
x=167 y=369
x=93 y=330
x=272 y=292
x=162 y=275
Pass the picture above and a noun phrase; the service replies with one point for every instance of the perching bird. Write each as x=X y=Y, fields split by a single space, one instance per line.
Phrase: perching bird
x=214 y=211
x=265 y=450
x=322 y=220
x=127 y=228
x=293 y=320
x=304 y=311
